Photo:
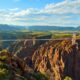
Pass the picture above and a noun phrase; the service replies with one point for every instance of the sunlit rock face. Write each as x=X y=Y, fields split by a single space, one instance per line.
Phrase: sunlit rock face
x=54 y=59
x=27 y=47
x=58 y=59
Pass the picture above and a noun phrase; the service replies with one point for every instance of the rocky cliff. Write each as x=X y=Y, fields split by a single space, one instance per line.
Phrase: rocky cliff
x=58 y=59
x=52 y=60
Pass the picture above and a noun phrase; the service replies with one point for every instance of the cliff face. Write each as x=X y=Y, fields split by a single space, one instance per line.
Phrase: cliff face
x=26 y=48
x=58 y=60
x=53 y=60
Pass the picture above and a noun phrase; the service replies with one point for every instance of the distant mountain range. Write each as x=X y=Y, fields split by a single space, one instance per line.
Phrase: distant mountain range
x=38 y=28
x=11 y=27
x=46 y=28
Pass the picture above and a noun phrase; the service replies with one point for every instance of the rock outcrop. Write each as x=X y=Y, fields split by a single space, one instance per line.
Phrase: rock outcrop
x=58 y=60
x=53 y=60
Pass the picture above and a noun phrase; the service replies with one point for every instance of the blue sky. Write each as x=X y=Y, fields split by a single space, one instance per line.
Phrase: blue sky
x=40 y=12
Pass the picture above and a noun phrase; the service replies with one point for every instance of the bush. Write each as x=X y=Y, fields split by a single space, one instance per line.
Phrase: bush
x=3 y=58
x=68 y=78
x=40 y=76
x=4 y=74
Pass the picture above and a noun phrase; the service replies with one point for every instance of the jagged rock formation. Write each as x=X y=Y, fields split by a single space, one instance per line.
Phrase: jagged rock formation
x=15 y=68
x=53 y=60
x=58 y=60
x=25 y=48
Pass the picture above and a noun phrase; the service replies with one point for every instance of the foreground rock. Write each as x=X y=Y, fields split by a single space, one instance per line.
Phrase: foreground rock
x=58 y=60
x=53 y=60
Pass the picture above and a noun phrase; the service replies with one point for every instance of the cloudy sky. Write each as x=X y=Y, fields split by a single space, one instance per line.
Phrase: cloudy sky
x=40 y=12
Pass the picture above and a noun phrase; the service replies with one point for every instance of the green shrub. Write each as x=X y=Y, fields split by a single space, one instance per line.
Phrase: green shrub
x=4 y=51
x=68 y=78
x=3 y=65
x=40 y=76
x=4 y=74
x=3 y=58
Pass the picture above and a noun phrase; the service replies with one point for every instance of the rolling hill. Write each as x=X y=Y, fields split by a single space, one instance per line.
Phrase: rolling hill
x=47 y=28
x=37 y=28
x=10 y=27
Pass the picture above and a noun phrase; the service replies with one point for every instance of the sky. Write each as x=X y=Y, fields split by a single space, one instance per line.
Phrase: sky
x=40 y=12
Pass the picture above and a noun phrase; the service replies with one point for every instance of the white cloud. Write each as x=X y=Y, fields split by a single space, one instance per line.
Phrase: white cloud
x=26 y=12
x=62 y=13
x=63 y=7
x=14 y=9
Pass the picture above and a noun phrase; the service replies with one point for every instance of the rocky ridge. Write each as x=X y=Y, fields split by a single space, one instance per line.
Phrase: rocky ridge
x=53 y=60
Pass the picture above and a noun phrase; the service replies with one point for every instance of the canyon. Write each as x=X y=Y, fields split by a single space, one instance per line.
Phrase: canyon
x=51 y=60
